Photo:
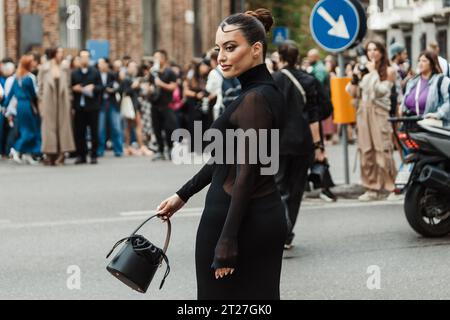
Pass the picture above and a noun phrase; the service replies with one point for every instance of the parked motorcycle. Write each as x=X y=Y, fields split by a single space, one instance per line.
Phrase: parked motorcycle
x=427 y=199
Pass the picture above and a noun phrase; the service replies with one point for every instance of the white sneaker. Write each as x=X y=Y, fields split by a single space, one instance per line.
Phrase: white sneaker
x=15 y=156
x=27 y=159
x=371 y=196
x=396 y=197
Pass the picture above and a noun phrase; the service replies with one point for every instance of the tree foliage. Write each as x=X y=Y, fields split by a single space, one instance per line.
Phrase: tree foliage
x=294 y=14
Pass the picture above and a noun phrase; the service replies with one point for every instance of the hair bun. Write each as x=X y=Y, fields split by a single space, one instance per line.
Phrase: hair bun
x=263 y=15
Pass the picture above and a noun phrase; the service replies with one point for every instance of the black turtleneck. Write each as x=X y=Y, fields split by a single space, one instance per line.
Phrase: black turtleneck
x=258 y=107
x=254 y=76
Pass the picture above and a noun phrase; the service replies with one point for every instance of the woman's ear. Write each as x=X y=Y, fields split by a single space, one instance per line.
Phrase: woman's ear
x=257 y=50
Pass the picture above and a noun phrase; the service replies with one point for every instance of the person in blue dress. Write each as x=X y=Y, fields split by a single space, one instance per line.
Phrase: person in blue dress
x=28 y=142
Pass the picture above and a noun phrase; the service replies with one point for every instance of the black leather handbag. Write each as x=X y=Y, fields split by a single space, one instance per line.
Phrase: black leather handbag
x=320 y=175
x=139 y=259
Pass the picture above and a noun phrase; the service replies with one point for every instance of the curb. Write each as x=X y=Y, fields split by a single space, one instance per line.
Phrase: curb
x=344 y=191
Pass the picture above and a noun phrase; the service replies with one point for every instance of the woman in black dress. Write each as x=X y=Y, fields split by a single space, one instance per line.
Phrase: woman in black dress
x=241 y=235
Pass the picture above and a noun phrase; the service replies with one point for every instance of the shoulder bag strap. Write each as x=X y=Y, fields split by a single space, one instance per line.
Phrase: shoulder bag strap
x=296 y=83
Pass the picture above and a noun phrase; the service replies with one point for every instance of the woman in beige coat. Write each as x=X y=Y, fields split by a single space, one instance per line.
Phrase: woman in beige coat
x=55 y=106
x=378 y=170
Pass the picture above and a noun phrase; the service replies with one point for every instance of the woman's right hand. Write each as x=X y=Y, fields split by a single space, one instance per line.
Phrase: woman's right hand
x=200 y=95
x=169 y=207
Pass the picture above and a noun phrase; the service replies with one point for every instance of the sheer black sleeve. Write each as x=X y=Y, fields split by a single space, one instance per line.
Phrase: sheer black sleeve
x=197 y=183
x=252 y=113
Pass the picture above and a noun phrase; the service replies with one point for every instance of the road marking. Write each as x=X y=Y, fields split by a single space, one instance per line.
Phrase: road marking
x=153 y=212
x=185 y=213
x=306 y=206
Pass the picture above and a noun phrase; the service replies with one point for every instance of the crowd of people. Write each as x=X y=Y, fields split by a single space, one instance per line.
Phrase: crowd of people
x=57 y=106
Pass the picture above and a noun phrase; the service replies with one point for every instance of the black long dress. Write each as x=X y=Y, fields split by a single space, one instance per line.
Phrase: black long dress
x=243 y=225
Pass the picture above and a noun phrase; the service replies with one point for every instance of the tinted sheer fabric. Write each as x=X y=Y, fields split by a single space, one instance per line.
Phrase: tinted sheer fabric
x=237 y=187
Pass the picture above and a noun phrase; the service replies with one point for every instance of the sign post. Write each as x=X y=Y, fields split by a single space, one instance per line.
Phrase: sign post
x=336 y=25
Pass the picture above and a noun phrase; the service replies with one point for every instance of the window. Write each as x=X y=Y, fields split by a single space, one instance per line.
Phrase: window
x=380 y=4
x=408 y=45
x=442 y=41
x=198 y=43
x=237 y=6
x=150 y=25
x=401 y=3
x=73 y=23
x=423 y=42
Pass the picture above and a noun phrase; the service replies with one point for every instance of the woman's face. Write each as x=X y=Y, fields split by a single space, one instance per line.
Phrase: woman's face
x=132 y=69
x=329 y=64
x=204 y=70
x=373 y=53
x=424 y=65
x=76 y=62
x=59 y=54
x=236 y=55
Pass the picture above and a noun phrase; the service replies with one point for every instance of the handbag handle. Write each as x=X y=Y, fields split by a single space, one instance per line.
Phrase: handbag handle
x=169 y=231
x=166 y=244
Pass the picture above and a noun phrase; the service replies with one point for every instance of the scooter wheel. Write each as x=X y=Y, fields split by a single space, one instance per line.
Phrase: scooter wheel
x=415 y=211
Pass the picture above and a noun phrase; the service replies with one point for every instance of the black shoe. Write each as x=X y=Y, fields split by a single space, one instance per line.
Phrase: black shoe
x=288 y=244
x=159 y=157
x=328 y=196
x=80 y=160
x=94 y=161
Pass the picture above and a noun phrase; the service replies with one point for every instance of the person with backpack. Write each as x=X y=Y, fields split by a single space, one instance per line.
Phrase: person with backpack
x=300 y=142
x=427 y=94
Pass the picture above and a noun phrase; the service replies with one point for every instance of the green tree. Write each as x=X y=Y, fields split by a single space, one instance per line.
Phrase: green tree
x=294 y=14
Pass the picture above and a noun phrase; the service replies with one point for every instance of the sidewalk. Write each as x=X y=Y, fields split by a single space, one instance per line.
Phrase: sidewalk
x=337 y=168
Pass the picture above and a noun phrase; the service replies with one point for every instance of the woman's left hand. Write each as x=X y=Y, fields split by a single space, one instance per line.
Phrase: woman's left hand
x=223 y=272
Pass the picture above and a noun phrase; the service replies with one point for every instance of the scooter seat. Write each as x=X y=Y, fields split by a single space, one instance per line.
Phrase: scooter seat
x=439 y=130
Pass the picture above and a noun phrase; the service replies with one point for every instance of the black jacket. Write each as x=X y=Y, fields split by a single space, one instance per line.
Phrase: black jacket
x=297 y=138
x=91 y=77
x=112 y=82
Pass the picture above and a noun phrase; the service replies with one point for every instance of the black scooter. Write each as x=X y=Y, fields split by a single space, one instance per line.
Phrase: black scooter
x=427 y=199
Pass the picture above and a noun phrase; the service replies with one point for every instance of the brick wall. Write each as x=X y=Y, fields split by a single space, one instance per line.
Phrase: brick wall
x=11 y=25
x=121 y=22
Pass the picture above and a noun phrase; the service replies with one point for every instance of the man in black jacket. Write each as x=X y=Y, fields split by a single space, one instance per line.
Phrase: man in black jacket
x=163 y=118
x=87 y=89
x=300 y=141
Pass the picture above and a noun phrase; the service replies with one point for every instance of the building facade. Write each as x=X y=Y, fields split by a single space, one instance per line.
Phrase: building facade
x=414 y=23
x=2 y=29
x=185 y=28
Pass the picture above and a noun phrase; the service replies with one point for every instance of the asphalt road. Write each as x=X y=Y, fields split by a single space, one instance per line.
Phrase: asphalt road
x=52 y=219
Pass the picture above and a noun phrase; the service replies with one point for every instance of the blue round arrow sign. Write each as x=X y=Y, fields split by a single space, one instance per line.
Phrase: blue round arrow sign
x=335 y=24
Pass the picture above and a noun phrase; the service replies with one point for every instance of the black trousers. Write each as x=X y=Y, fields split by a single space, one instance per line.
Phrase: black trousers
x=291 y=180
x=163 y=119
x=83 y=120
